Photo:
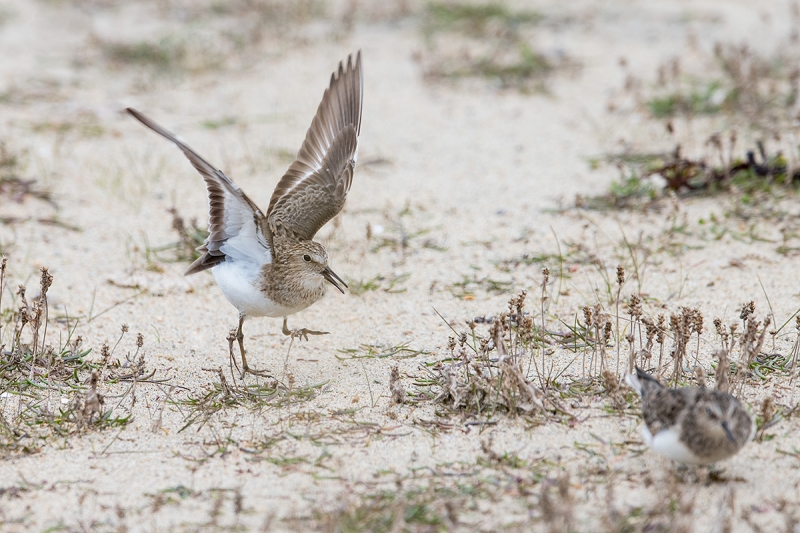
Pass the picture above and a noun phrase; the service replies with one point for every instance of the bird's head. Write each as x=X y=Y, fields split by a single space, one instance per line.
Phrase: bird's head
x=309 y=260
x=718 y=417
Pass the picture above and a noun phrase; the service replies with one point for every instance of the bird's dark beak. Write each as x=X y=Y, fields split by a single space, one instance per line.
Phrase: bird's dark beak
x=331 y=276
x=727 y=429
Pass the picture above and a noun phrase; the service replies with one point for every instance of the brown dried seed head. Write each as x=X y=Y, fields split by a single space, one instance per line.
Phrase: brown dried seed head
x=747 y=310
x=651 y=328
x=396 y=386
x=45 y=281
x=768 y=410
x=139 y=340
x=451 y=343
x=698 y=321
x=700 y=376
x=720 y=331
x=610 y=381
x=635 y=306
x=620 y=275
x=723 y=370
x=177 y=220
x=124 y=328
x=525 y=328
x=587 y=317
x=546 y=274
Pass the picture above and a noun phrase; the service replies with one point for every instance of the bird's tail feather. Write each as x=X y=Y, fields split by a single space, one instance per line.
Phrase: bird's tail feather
x=641 y=381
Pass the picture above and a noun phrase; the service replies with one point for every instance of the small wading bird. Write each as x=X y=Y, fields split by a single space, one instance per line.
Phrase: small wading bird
x=268 y=265
x=692 y=425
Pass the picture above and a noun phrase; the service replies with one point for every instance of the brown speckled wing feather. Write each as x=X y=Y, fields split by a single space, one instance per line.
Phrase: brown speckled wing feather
x=661 y=407
x=315 y=187
x=234 y=224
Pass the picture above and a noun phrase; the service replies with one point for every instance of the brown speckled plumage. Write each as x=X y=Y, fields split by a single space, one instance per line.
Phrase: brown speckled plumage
x=711 y=424
x=292 y=281
x=273 y=254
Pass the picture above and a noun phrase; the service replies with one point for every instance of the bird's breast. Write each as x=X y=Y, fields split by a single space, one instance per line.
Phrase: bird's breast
x=241 y=284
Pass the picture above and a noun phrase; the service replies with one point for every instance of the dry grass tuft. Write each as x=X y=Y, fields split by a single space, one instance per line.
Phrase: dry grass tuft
x=757 y=94
x=217 y=397
x=48 y=391
x=485 y=41
x=396 y=386
x=490 y=374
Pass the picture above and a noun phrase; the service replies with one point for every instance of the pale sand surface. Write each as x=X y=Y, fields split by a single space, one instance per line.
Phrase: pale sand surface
x=482 y=169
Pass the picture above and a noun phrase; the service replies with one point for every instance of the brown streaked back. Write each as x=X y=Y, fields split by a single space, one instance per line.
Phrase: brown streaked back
x=661 y=407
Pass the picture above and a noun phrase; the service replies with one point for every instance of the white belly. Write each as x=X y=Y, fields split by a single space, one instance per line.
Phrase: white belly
x=238 y=281
x=667 y=443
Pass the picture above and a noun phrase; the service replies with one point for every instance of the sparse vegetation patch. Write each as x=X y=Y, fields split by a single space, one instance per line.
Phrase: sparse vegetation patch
x=485 y=41
x=49 y=392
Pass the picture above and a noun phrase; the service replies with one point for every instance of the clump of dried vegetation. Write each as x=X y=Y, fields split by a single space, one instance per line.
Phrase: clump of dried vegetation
x=51 y=391
x=224 y=394
x=510 y=369
x=733 y=91
x=190 y=237
x=487 y=41
x=484 y=375
x=645 y=177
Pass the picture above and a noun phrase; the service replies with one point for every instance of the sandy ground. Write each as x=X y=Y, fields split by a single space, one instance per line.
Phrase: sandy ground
x=481 y=169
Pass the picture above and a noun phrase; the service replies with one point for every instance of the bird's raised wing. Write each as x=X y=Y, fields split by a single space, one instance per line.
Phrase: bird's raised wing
x=315 y=187
x=234 y=223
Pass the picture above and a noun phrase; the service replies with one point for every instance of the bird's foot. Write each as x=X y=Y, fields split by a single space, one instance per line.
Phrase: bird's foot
x=255 y=372
x=301 y=333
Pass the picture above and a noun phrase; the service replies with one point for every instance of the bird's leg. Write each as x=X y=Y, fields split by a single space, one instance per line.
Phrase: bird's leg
x=231 y=358
x=301 y=333
x=246 y=369
x=240 y=340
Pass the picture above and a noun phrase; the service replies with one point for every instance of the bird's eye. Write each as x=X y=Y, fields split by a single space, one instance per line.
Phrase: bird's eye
x=307 y=258
x=710 y=413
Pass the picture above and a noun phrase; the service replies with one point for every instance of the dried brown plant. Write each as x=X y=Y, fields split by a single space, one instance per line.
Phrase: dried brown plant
x=396 y=388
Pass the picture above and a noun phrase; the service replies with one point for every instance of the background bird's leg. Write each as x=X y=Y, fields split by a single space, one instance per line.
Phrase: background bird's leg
x=301 y=333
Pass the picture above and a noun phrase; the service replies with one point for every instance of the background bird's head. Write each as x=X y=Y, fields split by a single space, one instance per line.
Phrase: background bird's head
x=717 y=414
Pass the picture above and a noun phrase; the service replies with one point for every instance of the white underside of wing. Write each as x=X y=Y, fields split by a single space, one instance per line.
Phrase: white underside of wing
x=246 y=242
x=668 y=444
x=239 y=282
x=247 y=248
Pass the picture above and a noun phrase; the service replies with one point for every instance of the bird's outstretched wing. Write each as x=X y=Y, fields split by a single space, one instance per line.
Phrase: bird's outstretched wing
x=315 y=187
x=234 y=223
